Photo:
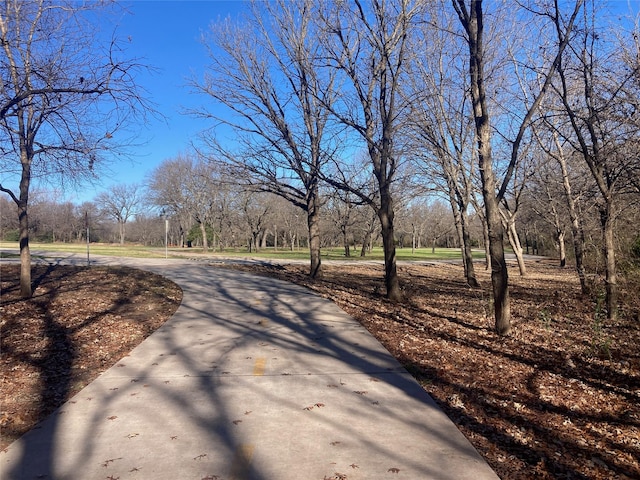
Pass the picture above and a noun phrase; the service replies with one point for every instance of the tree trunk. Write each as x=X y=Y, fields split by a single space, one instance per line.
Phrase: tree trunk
x=561 y=248
x=366 y=241
x=514 y=241
x=205 y=242
x=413 y=240
x=345 y=242
x=487 y=250
x=121 y=229
x=26 y=289
x=499 y=275
x=485 y=242
x=25 y=254
x=576 y=227
x=611 y=281
x=467 y=255
x=457 y=221
x=509 y=225
x=578 y=249
x=392 y=282
x=275 y=238
x=313 y=222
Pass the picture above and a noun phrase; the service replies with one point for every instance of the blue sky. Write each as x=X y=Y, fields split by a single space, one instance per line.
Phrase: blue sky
x=164 y=34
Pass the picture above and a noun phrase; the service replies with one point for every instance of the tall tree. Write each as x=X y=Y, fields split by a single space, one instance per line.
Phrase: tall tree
x=256 y=210
x=187 y=187
x=559 y=150
x=472 y=20
x=120 y=202
x=443 y=125
x=64 y=96
x=510 y=206
x=599 y=92
x=264 y=72
x=545 y=198
x=368 y=43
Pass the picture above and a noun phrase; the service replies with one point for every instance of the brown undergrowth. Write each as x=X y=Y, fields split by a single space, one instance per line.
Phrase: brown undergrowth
x=558 y=398
x=79 y=322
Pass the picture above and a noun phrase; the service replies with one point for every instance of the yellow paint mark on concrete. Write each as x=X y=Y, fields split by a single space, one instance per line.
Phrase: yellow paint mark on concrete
x=258 y=367
x=241 y=463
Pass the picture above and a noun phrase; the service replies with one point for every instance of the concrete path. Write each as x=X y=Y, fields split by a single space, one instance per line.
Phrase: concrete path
x=251 y=379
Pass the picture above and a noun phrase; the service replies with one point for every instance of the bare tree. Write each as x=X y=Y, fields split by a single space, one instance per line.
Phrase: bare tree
x=342 y=209
x=545 y=198
x=9 y=225
x=255 y=211
x=121 y=202
x=443 y=125
x=292 y=219
x=65 y=98
x=165 y=190
x=510 y=206
x=51 y=220
x=201 y=189
x=267 y=77
x=190 y=187
x=558 y=151
x=599 y=94
x=439 y=222
x=414 y=220
x=368 y=227
x=368 y=43
x=472 y=20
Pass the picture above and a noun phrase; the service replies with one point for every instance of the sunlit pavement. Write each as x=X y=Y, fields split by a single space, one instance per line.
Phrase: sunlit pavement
x=252 y=378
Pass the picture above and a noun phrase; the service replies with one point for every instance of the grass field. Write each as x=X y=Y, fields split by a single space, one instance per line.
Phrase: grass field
x=97 y=249
x=403 y=254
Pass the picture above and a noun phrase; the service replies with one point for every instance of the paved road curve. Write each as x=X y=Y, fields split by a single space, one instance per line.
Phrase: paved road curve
x=251 y=379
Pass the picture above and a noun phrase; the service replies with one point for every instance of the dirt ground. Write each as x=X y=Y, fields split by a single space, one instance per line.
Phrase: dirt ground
x=558 y=398
x=79 y=322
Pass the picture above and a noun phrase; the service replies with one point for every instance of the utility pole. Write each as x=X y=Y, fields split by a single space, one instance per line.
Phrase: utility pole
x=86 y=223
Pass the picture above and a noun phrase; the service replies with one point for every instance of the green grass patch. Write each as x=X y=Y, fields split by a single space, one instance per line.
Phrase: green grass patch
x=113 y=250
x=138 y=251
x=402 y=254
